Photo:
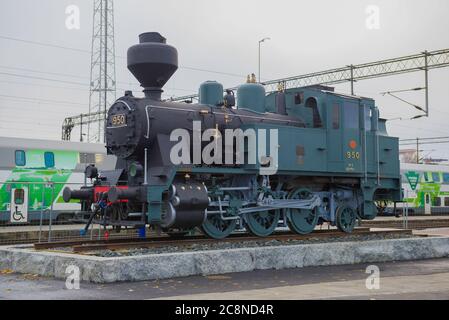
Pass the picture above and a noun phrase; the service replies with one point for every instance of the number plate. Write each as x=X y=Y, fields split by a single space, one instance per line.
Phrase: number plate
x=353 y=155
x=118 y=120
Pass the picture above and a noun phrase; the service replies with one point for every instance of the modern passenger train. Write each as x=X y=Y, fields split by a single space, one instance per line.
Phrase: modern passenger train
x=33 y=174
x=431 y=195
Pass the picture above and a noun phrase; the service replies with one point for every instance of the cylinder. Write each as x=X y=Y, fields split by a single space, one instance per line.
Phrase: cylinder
x=115 y=193
x=83 y=194
x=188 y=210
x=211 y=93
x=251 y=96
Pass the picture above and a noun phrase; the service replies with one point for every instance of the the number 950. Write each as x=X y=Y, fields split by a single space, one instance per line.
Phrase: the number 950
x=353 y=155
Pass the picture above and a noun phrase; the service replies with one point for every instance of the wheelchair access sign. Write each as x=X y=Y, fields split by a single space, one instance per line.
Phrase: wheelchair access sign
x=19 y=205
x=413 y=179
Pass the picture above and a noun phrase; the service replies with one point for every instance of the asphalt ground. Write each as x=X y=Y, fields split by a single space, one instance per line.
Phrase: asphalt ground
x=426 y=279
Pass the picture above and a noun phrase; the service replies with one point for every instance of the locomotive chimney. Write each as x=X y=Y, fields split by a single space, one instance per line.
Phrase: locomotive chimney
x=152 y=62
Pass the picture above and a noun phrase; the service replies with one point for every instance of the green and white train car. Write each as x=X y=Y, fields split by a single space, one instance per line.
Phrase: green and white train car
x=431 y=195
x=33 y=174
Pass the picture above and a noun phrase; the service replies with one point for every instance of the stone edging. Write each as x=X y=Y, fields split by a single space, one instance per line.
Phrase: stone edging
x=161 y=266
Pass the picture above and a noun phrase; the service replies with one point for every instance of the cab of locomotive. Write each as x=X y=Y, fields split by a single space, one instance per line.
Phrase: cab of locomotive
x=321 y=108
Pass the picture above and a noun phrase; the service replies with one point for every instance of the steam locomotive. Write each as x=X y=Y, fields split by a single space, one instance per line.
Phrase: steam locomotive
x=298 y=157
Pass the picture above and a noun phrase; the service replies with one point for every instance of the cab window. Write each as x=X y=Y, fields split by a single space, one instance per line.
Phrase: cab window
x=20 y=158
x=313 y=105
x=351 y=115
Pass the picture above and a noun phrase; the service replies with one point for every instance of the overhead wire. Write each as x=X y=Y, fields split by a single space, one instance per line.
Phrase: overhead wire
x=117 y=56
x=48 y=101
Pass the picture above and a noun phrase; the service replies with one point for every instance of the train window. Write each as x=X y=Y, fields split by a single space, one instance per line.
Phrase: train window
x=422 y=177
x=336 y=116
x=426 y=176
x=446 y=201
x=445 y=177
x=435 y=177
x=351 y=115
x=438 y=202
x=313 y=104
x=19 y=196
x=20 y=158
x=49 y=158
x=299 y=98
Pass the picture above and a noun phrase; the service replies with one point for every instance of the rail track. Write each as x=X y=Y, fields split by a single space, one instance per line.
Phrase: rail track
x=30 y=236
x=411 y=224
x=72 y=236
x=118 y=244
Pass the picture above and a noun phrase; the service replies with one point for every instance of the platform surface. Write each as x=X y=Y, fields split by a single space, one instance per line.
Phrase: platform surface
x=44 y=227
x=427 y=279
x=443 y=232
x=412 y=218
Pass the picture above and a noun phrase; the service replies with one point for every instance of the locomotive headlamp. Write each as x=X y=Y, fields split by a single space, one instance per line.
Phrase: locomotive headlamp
x=91 y=172
x=135 y=170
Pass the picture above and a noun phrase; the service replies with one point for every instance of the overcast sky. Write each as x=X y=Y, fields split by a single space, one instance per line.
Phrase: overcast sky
x=219 y=36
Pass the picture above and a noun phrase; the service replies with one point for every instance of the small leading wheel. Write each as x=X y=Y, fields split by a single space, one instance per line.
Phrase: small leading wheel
x=302 y=221
x=217 y=228
x=346 y=219
x=262 y=223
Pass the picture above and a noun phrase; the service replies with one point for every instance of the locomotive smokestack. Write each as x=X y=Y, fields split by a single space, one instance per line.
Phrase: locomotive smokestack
x=152 y=62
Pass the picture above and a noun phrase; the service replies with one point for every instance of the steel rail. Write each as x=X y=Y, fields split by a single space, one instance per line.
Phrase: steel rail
x=60 y=244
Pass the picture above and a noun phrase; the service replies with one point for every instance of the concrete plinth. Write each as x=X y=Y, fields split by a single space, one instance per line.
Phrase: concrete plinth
x=160 y=266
